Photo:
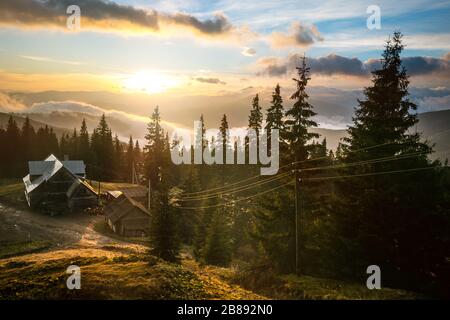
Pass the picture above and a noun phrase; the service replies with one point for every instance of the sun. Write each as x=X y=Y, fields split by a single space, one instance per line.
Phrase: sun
x=149 y=82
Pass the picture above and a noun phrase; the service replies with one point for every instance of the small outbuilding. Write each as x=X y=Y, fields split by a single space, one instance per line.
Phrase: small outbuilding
x=127 y=217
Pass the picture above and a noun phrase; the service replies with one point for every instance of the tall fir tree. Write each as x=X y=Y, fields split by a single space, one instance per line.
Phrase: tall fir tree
x=28 y=143
x=154 y=150
x=275 y=113
x=83 y=143
x=255 y=118
x=391 y=215
x=299 y=117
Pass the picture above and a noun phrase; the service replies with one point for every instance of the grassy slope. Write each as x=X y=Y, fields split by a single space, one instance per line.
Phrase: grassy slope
x=10 y=186
x=109 y=272
x=117 y=276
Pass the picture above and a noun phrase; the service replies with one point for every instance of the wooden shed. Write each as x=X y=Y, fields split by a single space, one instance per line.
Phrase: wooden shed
x=127 y=217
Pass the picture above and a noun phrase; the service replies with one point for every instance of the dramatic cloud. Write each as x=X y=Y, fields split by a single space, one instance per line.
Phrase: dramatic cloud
x=106 y=15
x=333 y=64
x=68 y=114
x=249 y=52
x=9 y=104
x=299 y=35
x=209 y=80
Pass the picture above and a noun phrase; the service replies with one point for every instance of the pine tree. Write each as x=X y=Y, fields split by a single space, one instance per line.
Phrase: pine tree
x=274 y=118
x=217 y=249
x=224 y=137
x=73 y=146
x=163 y=228
x=154 y=150
x=83 y=143
x=189 y=219
x=129 y=156
x=64 y=146
x=256 y=117
x=118 y=159
x=28 y=143
x=298 y=117
x=388 y=212
x=12 y=153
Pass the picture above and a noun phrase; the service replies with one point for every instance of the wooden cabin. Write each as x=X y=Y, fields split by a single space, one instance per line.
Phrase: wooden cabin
x=48 y=183
x=127 y=217
x=81 y=195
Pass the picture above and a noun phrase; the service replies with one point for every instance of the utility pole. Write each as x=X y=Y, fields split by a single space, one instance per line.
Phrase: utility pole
x=132 y=173
x=297 y=220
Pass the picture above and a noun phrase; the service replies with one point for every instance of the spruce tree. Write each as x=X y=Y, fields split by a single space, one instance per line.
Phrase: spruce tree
x=163 y=228
x=154 y=149
x=256 y=117
x=224 y=135
x=299 y=117
x=274 y=118
x=83 y=143
x=28 y=143
x=12 y=153
x=217 y=249
x=388 y=214
x=118 y=159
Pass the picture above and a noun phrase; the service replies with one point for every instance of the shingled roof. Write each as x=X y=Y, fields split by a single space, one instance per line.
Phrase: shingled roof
x=119 y=207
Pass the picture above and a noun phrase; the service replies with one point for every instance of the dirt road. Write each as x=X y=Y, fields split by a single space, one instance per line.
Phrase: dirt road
x=72 y=230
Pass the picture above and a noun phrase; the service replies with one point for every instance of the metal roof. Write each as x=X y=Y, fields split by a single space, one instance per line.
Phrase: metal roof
x=48 y=168
x=37 y=168
x=52 y=168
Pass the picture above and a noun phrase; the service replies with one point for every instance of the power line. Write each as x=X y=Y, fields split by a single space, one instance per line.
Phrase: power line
x=337 y=166
x=314 y=179
x=370 y=161
x=368 y=174
x=238 y=200
x=282 y=167
x=234 y=190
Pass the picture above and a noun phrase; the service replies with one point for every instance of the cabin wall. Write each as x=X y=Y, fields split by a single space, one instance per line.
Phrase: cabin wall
x=134 y=224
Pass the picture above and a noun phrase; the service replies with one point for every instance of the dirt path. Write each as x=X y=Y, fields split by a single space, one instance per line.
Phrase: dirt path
x=72 y=230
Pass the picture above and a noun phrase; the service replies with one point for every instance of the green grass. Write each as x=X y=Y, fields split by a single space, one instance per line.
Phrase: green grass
x=314 y=288
x=10 y=249
x=10 y=186
x=126 y=277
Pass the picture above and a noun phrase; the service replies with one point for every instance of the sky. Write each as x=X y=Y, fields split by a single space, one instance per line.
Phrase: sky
x=173 y=51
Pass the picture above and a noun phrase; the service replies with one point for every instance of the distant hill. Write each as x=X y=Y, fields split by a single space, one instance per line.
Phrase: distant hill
x=36 y=124
x=434 y=126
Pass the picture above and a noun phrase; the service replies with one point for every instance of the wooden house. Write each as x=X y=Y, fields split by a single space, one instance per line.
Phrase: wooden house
x=127 y=217
x=48 y=182
x=81 y=195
